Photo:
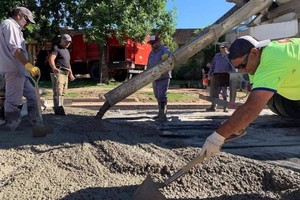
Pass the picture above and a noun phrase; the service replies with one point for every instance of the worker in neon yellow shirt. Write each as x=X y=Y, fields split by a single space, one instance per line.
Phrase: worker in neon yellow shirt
x=274 y=68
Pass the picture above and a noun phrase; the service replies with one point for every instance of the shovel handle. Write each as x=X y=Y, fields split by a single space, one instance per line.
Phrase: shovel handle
x=186 y=168
x=37 y=93
x=196 y=160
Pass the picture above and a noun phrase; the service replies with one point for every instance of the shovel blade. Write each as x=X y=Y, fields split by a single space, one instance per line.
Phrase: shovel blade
x=148 y=190
x=41 y=130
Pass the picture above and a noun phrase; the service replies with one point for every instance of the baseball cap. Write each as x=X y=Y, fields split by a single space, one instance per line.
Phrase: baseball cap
x=153 y=39
x=26 y=12
x=243 y=45
x=223 y=44
x=66 y=37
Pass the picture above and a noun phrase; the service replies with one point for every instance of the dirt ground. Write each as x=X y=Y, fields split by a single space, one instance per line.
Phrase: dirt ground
x=88 y=158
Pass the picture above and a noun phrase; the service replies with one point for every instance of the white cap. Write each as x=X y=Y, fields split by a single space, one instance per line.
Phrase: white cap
x=66 y=37
x=253 y=41
x=26 y=12
x=153 y=39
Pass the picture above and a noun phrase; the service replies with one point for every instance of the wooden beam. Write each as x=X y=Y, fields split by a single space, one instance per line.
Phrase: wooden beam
x=238 y=2
x=182 y=54
x=283 y=9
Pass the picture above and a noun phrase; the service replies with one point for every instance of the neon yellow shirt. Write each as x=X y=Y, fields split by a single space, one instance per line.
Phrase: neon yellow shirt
x=279 y=69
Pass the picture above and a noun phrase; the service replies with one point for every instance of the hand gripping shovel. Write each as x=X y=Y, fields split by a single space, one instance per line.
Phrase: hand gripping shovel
x=39 y=129
x=149 y=190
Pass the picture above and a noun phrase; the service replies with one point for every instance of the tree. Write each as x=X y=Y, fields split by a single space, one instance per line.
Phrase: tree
x=50 y=16
x=98 y=19
x=132 y=18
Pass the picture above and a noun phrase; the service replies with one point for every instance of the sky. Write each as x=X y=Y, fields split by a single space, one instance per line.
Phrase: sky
x=198 y=13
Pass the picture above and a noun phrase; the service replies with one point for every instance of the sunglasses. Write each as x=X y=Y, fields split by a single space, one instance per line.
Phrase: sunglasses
x=243 y=64
x=26 y=18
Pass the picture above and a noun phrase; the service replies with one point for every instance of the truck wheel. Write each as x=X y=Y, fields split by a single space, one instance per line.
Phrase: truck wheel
x=120 y=75
x=284 y=107
x=94 y=71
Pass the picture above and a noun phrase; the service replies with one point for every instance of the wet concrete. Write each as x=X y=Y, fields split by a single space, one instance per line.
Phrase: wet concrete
x=85 y=158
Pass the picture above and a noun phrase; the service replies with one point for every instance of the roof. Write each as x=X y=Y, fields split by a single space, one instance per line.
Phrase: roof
x=181 y=36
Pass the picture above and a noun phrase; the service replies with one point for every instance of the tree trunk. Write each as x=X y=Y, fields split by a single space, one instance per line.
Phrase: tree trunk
x=103 y=71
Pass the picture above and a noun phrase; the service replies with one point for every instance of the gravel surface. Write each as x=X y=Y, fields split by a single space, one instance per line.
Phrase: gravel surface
x=86 y=158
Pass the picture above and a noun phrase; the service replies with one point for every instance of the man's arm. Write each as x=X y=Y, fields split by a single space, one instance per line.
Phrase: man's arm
x=245 y=113
x=71 y=75
x=52 y=63
x=33 y=70
x=212 y=67
x=19 y=55
x=240 y=119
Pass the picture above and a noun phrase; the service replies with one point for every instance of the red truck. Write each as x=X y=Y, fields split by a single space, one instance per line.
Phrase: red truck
x=122 y=60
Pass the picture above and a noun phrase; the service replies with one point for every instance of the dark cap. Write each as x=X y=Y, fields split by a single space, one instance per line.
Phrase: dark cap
x=153 y=39
x=243 y=45
x=223 y=44
x=26 y=12
x=66 y=37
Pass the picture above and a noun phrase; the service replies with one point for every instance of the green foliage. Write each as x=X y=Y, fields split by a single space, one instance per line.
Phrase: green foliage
x=134 y=18
x=186 y=97
x=180 y=71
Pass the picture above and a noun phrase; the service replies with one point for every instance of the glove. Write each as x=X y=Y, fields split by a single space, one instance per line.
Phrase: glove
x=212 y=144
x=164 y=57
x=33 y=70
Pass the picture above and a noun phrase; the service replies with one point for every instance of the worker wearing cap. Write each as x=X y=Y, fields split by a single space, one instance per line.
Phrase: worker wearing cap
x=219 y=64
x=17 y=69
x=274 y=68
x=59 y=61
x=158 y=54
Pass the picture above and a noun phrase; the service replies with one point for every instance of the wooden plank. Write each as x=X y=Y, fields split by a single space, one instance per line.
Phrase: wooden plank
x=283 y=9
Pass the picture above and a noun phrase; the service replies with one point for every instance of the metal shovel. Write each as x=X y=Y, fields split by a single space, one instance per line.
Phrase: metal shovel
x=149 y=190
x=39 y=129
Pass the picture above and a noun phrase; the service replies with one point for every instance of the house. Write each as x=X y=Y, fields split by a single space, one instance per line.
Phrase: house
x=281 y=20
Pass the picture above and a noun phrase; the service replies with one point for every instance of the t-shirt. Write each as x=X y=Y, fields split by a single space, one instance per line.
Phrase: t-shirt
x=62 y=59
x=155 y=58
x=279 y=69
x=220 y=64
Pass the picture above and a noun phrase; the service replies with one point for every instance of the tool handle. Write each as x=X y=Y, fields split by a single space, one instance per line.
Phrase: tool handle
x=185 y=169
x=37 y=93
x=196 y=160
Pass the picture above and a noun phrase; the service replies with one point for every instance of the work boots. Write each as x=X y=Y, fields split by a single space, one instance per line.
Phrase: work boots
x=33 y=115
x=58 y=105
x=13 y=119
x=59 y=110
x=225 y=109
x=212 y=108
x=2 y=121
x=162 y=112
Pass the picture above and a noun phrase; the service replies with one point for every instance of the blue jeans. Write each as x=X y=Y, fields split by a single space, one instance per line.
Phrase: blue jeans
x=160 y=88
